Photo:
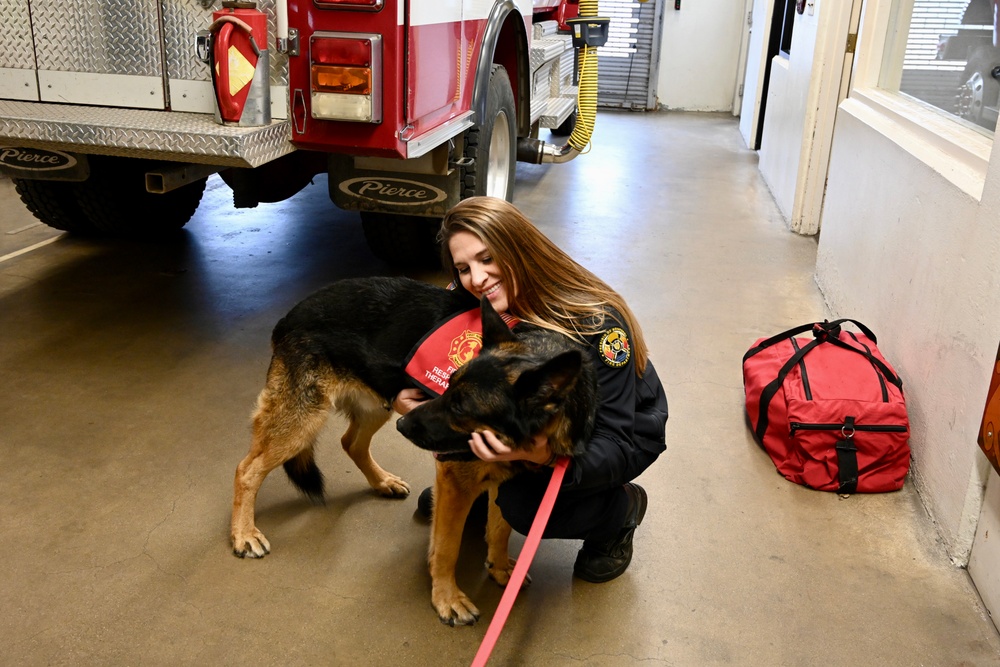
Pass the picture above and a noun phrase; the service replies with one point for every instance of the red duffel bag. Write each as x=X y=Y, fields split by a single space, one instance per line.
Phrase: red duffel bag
x=829 y=411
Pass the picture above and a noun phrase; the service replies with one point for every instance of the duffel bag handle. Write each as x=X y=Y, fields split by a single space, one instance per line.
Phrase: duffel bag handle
x=772 y=387
x=884 y=369
x=818 y=328
x=826 y=328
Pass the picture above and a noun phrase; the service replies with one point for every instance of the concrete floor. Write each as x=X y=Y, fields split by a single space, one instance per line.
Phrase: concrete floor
x=129 y=372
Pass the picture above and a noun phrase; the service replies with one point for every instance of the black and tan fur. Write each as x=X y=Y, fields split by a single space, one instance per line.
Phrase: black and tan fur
x=343 y=348
x=535 y=383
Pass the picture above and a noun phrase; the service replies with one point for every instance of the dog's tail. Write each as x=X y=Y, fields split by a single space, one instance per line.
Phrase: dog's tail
x=304 y=473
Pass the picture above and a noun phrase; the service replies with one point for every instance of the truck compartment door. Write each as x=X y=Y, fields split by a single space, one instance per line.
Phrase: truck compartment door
x=17 y=55
x=436 y=62
x=99 y=52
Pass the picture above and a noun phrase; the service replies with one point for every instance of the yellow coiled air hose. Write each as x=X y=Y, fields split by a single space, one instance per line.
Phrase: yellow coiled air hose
x=530 y=149
x=587 y=88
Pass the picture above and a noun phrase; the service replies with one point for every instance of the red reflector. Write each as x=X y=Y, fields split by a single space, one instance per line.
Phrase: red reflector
x=336 y=51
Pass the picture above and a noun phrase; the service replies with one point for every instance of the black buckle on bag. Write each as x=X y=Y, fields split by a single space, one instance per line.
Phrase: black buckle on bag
x=847 y=459
x=821 y=330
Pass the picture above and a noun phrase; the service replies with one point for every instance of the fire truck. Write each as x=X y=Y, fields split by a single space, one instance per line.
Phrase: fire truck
x=114 y=113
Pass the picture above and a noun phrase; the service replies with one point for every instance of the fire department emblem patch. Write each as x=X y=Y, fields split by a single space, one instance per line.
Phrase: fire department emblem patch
x=464 y=347
x=614 y=347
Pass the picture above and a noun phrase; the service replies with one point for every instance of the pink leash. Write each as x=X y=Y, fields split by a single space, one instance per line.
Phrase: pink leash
x=523 y=562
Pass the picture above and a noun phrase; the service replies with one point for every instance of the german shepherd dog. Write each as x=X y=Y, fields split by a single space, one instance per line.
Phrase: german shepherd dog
x=344 y=348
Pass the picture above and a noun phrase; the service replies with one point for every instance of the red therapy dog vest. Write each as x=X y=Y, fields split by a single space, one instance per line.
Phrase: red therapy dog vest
x=446 y=347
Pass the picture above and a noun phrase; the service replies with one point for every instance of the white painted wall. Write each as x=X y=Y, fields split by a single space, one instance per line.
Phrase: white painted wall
x=913 y=255
x=699 y=55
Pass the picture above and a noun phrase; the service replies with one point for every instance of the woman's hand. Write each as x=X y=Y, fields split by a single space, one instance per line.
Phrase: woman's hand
x=408 y=399
x=488 y=447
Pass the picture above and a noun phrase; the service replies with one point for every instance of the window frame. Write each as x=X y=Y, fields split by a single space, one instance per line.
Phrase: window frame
x=961 y=154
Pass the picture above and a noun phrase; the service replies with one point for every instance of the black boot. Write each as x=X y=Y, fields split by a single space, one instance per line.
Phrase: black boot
x=425 y=503
x=603 y=560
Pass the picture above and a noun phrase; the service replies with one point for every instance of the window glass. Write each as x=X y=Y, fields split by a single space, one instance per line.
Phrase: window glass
x=946 y=54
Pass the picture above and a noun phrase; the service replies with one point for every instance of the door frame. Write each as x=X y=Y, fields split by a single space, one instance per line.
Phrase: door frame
x=832 y=70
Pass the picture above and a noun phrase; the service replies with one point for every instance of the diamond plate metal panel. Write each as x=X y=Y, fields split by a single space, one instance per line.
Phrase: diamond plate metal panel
x=15 y=36
x=182 y=19
x=548 y=48
x=184 y=137
x=555 y=110
x=98 y=36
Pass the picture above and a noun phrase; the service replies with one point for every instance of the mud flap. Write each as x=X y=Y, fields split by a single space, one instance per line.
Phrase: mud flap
x=355 y=185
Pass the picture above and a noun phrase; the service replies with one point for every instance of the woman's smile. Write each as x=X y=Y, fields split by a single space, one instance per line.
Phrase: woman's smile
x=477 y=271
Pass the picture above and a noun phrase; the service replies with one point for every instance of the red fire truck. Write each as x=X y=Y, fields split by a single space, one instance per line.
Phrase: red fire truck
x=113 y=113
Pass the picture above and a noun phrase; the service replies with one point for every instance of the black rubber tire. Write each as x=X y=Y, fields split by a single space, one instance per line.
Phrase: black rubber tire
x=403 y=240
x=54 y=203
x=567 y=126
x=476 y=178
x=411 y=241
x=116 y=202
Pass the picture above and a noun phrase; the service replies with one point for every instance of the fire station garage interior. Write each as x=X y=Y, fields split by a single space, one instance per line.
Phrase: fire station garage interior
x=754 y=165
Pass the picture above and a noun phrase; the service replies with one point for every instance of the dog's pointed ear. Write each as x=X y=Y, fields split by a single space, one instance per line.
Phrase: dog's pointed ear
x=495 y=330
x=552 y=381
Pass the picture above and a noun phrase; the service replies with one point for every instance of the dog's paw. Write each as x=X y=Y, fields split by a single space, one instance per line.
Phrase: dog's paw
x=393 y=487
x=502 y=575
x=255 y=546
x=457 y=610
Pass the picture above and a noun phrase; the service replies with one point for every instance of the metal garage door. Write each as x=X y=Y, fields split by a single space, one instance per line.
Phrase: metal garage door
x=628 y=63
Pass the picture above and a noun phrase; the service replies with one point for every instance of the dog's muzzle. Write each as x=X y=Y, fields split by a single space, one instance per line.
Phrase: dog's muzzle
x=415 y=432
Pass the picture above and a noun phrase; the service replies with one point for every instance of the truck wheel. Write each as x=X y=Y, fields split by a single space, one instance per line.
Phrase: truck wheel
x=116 y=202
x=54 y=203
x=567 y=126
x=407 y=240
x=492 y=144
x=402 y=240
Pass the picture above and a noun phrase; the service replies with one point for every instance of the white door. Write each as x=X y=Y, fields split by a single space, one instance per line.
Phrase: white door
x=756 y=67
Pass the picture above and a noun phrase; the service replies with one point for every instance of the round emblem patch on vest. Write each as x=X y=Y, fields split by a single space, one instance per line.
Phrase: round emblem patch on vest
x=464 y=347
x=614 y=347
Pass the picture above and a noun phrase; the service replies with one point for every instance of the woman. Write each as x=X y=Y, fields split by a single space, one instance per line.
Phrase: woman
x=493 y=250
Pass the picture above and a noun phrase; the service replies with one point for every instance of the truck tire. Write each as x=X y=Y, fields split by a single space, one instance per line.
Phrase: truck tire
x=492 y=144
x=567 y=126
x=54 y=203
x=402 y=240
x=407 y=240
x=116 y=202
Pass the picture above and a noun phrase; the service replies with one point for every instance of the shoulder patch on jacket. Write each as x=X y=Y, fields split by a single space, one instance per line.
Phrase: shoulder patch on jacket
x=614 y=347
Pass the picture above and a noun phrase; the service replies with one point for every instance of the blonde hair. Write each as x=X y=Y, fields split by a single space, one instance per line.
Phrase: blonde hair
x=546 y=287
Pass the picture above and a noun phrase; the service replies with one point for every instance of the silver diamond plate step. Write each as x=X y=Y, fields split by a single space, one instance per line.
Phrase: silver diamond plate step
x=556 y=110
x=161 y=135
